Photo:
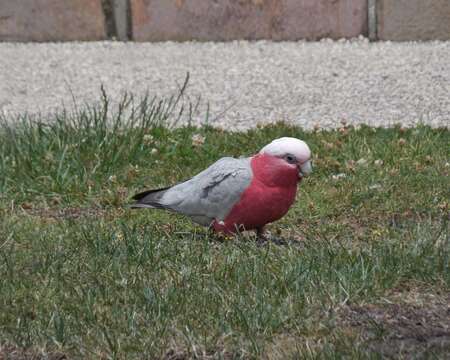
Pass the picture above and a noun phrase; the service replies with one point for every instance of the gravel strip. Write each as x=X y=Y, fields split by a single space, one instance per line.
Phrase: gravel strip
x=305 y=83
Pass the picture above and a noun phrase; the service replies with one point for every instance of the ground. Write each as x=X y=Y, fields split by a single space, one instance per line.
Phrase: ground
x=238 y=84
x=363 y=272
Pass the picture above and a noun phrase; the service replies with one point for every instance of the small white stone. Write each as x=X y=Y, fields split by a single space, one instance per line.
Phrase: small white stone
x=361 y=162
x=198 y=140
x=147 y=139
x=337 y=177
x=378 y=162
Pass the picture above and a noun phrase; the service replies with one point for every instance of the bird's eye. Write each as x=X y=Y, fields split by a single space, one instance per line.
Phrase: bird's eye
x=290 y=159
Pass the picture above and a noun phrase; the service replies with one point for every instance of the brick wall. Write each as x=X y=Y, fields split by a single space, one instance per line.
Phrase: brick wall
x=179 y=20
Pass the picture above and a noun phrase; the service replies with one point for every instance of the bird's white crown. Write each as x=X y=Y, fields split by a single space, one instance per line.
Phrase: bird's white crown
x=288 y=145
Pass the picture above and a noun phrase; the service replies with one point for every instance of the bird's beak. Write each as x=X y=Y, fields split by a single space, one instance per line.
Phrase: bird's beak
x=305 y=169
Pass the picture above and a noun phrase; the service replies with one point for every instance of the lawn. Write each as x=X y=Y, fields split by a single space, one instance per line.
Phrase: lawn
x=365 y=271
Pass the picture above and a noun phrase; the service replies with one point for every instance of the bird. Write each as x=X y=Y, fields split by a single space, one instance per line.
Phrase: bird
x=238 y=194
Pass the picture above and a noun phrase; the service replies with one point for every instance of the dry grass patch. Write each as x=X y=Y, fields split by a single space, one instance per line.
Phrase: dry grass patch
x=11 y=352
x=70 y=213
x=407 y=325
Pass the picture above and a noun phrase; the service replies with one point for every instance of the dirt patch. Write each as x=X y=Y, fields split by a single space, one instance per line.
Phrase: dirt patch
x=10 y=352
x=180 y=355
x=403 y=329
x=70 y=213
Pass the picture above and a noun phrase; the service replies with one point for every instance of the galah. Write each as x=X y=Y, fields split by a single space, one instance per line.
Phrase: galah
x=234 y=195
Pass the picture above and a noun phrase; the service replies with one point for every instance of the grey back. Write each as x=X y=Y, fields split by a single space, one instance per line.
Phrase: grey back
x=211 y=194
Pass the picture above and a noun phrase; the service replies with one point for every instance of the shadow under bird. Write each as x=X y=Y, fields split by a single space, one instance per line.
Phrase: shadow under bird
x=234 y=195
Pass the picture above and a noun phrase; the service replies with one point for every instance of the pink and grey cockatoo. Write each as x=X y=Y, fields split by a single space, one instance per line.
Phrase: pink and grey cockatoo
x=233 y=195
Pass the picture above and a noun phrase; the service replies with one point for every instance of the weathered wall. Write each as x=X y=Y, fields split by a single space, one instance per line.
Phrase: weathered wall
x=159 y=20
x=51 y=20
x=413 y=19
x=155 y=20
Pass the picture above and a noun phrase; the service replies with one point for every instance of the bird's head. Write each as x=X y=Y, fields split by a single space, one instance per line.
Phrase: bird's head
x=294 y=152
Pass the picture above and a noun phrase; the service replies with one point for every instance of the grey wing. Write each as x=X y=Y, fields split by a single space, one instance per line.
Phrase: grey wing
x=211 y=194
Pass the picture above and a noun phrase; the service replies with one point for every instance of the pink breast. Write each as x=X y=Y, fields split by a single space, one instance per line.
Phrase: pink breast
x=260 y=203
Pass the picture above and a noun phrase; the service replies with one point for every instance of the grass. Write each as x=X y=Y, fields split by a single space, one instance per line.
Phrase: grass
x=82 y=275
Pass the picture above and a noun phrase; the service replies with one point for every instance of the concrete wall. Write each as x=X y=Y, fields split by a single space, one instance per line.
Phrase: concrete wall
x=413 y=19
x=179 y=20
x=154 y=20
x=51 y=20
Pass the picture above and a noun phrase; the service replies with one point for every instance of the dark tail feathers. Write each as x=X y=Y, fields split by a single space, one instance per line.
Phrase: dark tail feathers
x=149 y=198
x=142 y=195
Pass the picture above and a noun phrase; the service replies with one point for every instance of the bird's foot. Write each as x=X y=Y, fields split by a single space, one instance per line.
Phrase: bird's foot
x=263 y=238
x=220 y=236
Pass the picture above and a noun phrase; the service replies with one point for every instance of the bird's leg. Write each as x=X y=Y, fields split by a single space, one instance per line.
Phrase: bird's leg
x=211 y=232
x=261 y=238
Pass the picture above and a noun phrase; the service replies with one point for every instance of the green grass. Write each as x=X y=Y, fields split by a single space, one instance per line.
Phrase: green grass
x=82 y=274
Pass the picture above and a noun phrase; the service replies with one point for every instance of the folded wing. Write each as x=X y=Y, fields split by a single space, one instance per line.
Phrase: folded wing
x=208 y=196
